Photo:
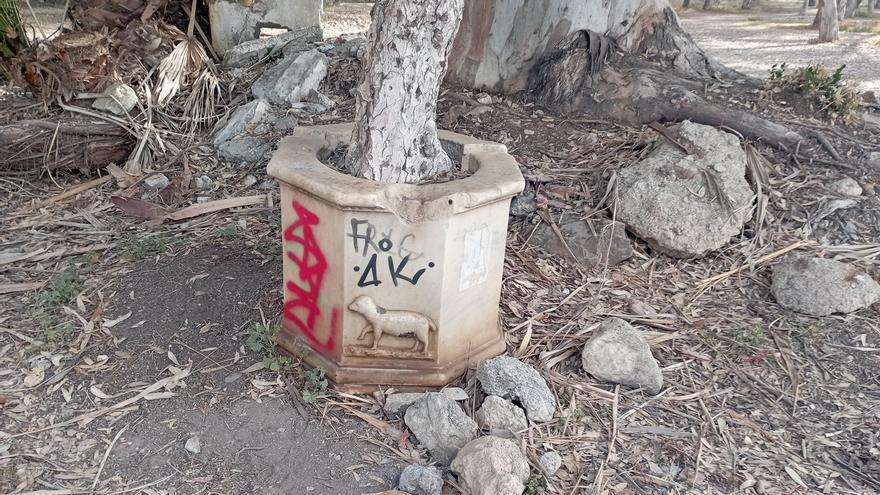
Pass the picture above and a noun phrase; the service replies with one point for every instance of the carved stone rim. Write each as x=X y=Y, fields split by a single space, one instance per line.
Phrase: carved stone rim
x=496 y=176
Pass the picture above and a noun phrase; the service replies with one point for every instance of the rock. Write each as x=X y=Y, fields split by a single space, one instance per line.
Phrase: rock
x=156 y=182
x=500 y=414
x=242 y=136
x=550 y=462
x=618 y=353
x=255 y=115
x=455 y=393
x=523 y=205
x=247 y=181
x=440 y=425
x=846 y=187
x=250 y=52
x=325 y=101
x=355 y=48
x=397 y=404
x=421 y=480
x=874 y=159
x=193 y=445
x=668 y=199
x=820 y=286
x=491 y=466
x=117 y=99
x=872 y=122
x=246 y=149
x=291 y=80
x=641 y=308
x=512 y=379
x=203 y=182
x=593 y=242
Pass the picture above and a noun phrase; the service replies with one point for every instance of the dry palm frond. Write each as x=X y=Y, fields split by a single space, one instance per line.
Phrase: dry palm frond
x=184 y=62
x=757 y=168
x=202 y=100
x=868 y=253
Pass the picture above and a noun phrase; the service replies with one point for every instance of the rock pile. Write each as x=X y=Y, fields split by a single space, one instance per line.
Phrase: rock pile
x=285 y=91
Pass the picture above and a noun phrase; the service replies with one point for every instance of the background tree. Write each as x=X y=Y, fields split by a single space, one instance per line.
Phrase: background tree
x=395 y=136
x=629 y=60
x=828 y=21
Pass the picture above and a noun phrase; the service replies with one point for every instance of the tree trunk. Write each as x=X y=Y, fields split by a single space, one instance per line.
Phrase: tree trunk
x=828 y=22
x=803 y=10
x=627 y=60
x=841 y=9
x=501 y=41
x=395 y=136
x=686 y=4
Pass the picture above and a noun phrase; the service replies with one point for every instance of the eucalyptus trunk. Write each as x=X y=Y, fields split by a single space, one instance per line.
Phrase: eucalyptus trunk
x=828 y=22
x=395 y=137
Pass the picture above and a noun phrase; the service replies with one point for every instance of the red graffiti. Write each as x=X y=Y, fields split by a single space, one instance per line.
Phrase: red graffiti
x=302 y=308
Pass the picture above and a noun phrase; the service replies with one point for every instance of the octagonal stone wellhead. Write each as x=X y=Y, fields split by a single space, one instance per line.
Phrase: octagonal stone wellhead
x=392 y=284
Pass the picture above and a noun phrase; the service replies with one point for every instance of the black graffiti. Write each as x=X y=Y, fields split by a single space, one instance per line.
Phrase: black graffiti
x=363 y=237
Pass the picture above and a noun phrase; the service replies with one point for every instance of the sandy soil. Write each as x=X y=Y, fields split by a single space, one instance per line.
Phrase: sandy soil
x=753 y=42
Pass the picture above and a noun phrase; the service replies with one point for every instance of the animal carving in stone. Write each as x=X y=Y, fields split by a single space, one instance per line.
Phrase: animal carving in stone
x=399 y=323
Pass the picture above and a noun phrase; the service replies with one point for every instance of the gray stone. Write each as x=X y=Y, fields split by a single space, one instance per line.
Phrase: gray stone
x=396 y=404
x=846 y=187
x=356 y=48
x=250 y=52
x=156 y=182
x=523 y=205
x=550 y=462
x=193 y=445
x=455 y=393
x=512 y=379
x=117 y=99
x=491 y=466
x=874 y=160
x=291 y=80
x=245 y=148
x=421 y=480
x=440 y=425
x=500 y=414
x=685 y=205
x=593 y=242
x=820 y=286
x=618 y=353
x=246 y=120
x=203 y=182
x=244 y=137
x=247 y=181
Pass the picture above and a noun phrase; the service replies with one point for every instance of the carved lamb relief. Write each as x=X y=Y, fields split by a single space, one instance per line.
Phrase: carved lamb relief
x=396 y=323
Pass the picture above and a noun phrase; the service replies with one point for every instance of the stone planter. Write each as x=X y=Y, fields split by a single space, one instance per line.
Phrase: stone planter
x=392 y=284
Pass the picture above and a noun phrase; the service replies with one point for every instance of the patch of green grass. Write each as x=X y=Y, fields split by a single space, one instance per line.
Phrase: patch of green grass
x=269 y=247
x=261 y=339
x=824 y=87
x=59 y=292
x=535 y=485
x=229 y=231
x=754 y=336
x=137 y=248
x=314 y=385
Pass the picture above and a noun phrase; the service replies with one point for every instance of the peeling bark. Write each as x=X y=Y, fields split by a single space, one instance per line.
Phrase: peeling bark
x=395 y=137
x=501 y=41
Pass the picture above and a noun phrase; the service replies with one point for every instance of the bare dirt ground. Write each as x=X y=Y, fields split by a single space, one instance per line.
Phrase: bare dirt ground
x=752 y=42
x=122 y=339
